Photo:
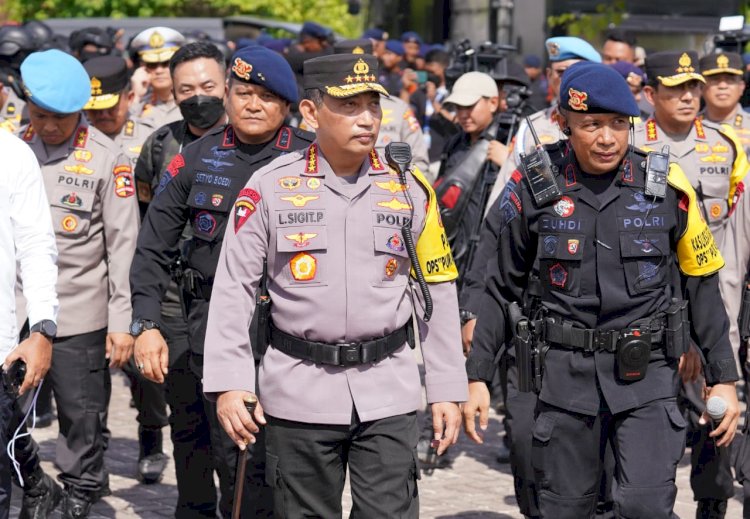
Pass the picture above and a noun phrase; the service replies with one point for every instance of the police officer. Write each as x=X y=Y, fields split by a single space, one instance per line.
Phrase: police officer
x=15 y=45
x=398 y=123
x=562 y=52
x=198 y=73
x=714 y=162
x=109 y=106
x=722 y=93
x=606 y=254
x=338 y=381
x=198 y=188
x=90 y=188
x=154 y=48
x=107 y=110
x=91 y=42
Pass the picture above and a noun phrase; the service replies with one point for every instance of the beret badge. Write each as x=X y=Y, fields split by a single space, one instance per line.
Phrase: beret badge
x=577 y=100
x=242 y=68
x=553 y=49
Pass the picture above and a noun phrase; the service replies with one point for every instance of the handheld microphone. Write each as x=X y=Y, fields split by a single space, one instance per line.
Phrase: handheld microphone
x=716 y=407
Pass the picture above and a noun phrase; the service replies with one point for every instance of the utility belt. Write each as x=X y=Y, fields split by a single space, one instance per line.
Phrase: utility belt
x=195 y=285
x=342 y=354
x=632 y=346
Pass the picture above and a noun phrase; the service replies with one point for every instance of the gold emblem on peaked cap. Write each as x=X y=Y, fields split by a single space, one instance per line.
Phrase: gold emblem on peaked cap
x=361 y=68
x=156 y=40
x=686 y=64
x=722 y=61
x=358 y=50
x=96 y=87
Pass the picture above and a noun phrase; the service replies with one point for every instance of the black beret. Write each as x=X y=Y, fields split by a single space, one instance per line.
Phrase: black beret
x=109 y=76
x=363 y=46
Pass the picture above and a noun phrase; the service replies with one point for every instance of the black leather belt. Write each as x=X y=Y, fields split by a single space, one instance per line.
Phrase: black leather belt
x=343 y=354
x=590 y=340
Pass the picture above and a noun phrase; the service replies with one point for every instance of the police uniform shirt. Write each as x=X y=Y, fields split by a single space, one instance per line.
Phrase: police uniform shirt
x=132 y=136
x=710 y=159
x=198 y=188
x=399 y=125
x=90 y=188
x=606 y=262
x=13 y=113
x=338 y=271
x=548 y=131
x=158 y=113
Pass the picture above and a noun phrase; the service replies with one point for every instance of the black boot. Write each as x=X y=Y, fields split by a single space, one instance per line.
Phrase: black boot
x=711 y=509
x=77 y=504
x=152 y=461
x=40 y=497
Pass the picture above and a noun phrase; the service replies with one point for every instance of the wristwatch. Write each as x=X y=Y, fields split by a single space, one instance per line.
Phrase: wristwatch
x=138 y=326
x=46 y=327
x=466 y=316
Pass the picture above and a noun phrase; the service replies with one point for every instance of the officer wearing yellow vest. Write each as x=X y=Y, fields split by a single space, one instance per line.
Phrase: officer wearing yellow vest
x=608 y=249
x=714 y=162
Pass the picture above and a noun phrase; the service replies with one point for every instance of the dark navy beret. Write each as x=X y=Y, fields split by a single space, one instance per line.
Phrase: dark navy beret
x=395 y=47
x=411 y=36
x=563 y=48
x=375 y=34
x=261 y=66
x=532 y=60
x=55 y=81
x=315 y=30
x=595 y=88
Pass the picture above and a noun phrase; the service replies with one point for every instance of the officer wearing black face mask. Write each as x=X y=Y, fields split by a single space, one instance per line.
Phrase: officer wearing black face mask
x=198 y=189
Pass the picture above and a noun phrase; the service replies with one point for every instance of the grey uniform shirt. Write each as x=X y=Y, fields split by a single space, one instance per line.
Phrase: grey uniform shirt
x=132 y=136
x=400 y=125
x=158 y=113
x=90 y=187
x=338 y=271
x=13 y=113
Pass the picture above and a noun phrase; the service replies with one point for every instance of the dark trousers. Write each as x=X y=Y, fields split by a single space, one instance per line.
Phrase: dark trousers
x=149 y=399
x=8 y=425
x=568 y=453
x=307 y=464
x=81 y=384
x=201 y=446
x=710 y=472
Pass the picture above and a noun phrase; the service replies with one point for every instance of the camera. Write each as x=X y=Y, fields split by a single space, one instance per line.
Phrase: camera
x=633 y=355
x=13 y=377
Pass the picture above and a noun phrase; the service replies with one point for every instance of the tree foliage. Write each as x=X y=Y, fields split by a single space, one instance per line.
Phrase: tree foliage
x=331 y=13
x=590 y=26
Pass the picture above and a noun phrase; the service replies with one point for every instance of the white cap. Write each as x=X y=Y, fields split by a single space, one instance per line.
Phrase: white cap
x=157 y=44
x=471 y=87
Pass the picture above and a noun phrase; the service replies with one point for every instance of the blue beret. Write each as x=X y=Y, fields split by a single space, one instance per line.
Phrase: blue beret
x=411 y=36
x=532 y=60
x=315 y=30
x=375 y=34
x=55 y=81
x=261 y=66
x=562 y=48
x=595 y=88
x=395 y=47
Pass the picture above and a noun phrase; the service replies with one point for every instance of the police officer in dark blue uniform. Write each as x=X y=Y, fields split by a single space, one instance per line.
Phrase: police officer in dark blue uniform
x=199 y=187
x=615 y=254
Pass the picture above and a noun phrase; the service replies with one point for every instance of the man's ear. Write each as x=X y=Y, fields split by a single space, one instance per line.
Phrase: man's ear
x=309 y=113
x=650 y=93
x=131 y=98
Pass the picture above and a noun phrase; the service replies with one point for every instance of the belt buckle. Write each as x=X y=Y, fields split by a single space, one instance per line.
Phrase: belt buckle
x=350 y=353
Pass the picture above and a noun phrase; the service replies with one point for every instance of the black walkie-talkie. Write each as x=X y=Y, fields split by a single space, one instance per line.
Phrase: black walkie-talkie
x=537 y=167
x=657 y=169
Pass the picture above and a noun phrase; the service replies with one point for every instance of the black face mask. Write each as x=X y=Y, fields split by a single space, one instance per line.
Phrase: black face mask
x=202 y=111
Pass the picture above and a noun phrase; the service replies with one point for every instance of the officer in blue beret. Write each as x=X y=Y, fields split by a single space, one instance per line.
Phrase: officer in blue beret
x=412 y=43
x=378 y=37
x=611 y=270
x=391 y=68
x=198 y=189
x=89 y=183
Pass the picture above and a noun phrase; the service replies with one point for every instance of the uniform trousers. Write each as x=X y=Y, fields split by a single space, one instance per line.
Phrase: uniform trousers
x=307 y=465
x=568 y=452
x=81 y=384
x=201 y=446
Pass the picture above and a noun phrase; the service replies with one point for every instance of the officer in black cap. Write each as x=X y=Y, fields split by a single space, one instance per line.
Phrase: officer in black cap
x=601 y=271
x=198 y=189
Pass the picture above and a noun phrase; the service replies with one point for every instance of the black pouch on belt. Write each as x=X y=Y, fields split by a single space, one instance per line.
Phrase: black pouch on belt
x=633 y=355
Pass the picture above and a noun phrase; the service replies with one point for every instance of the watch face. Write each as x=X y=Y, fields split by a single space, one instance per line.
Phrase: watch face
x=49 y=328
x=135 y=328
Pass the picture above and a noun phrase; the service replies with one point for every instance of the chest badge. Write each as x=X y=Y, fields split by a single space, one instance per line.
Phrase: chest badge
x=299 y=200
x=290 y=183
x=564 y=207
x=303 y=266
x=301 y=239
x=395 y=204
x=573 y=246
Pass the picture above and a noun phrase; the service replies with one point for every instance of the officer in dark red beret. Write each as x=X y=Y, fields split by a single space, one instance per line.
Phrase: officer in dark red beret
x=198 y=189
x=596 y=257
